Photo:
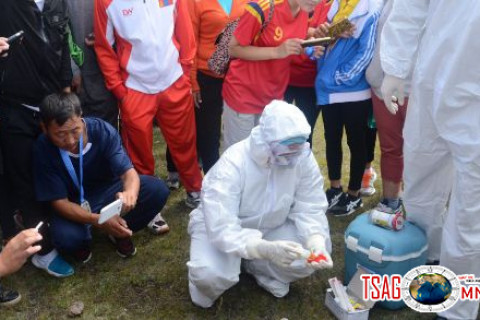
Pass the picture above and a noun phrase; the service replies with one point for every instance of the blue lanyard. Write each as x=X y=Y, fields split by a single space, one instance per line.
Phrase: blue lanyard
x=71 y=171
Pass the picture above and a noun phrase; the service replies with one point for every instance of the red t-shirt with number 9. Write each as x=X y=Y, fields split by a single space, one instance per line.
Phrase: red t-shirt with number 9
x=250 y=85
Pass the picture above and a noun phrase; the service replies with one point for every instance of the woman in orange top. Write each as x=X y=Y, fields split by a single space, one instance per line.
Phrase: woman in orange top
x=209 y=18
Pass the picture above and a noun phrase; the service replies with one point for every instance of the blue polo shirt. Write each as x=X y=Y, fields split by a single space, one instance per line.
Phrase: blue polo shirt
x=104 y=162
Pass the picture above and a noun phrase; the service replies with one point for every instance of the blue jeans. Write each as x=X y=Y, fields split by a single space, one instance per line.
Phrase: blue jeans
x=69 y=236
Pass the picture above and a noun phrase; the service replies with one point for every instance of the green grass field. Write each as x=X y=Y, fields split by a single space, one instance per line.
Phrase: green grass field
x=154 y=285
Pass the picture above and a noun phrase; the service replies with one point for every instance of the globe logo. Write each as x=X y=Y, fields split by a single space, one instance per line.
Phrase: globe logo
x=430 y=288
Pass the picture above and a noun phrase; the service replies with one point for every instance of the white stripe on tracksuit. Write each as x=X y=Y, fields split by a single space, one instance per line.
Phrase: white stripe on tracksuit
x=364 y=61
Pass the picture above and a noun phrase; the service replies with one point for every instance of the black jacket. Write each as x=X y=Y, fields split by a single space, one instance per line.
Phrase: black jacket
x=40 y=64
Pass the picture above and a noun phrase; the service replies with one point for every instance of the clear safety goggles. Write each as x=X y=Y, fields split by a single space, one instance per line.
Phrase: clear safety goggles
x=288 y=153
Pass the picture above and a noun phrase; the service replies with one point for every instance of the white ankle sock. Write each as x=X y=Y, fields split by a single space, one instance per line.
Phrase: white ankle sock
x=45 y=260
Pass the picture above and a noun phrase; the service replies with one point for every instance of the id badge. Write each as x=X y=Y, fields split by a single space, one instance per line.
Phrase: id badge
x=85 y=205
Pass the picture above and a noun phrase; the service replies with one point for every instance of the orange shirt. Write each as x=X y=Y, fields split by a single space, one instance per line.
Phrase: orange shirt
x=304 y=70
x=250 y=85
x=208 y=20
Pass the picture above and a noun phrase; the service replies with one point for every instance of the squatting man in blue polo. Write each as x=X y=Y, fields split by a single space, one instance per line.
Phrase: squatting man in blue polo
x=80 y=166
x=262 y=205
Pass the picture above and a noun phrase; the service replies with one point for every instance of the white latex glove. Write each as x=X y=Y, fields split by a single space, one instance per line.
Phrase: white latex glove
x=393 y=92
x=280 y=252
x=316 y=243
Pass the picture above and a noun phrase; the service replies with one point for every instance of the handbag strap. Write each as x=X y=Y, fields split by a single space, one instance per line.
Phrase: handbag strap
x=270 y=15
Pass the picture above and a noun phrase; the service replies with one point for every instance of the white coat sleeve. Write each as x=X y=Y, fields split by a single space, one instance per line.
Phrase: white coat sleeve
x=310 y=203
x=401 y=36
x=221 y=194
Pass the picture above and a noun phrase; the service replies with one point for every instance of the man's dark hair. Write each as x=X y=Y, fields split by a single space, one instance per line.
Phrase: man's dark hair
x=59 y=108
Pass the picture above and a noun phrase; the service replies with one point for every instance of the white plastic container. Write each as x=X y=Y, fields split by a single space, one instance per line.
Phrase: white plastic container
x=342 y=314
x=354 y=290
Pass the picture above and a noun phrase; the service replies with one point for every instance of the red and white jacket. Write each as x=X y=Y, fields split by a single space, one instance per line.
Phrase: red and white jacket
x=154 y=43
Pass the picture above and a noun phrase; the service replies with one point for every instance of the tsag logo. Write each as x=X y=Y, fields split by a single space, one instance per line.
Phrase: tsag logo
x=424 y=289
x=380 y=288
x=127 y=12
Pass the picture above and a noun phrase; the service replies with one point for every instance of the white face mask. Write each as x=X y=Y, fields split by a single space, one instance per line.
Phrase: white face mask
x=288 y=155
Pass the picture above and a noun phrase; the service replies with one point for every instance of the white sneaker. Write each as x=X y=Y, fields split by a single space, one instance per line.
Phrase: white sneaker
x=158 y=225
x=384 y=208
x=369 y=177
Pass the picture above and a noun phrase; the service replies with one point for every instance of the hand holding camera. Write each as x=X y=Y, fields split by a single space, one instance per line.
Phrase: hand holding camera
x=5 y=43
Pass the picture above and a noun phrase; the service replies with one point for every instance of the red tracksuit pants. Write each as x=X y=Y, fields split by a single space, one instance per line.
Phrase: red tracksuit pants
x=390 y=134
x=174 y=113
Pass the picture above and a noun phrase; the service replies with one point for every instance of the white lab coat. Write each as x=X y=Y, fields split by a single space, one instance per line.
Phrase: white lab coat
x=243 y=198
x=442 y=129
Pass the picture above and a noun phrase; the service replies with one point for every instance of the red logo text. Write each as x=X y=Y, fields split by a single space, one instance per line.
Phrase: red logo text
x=381 y=288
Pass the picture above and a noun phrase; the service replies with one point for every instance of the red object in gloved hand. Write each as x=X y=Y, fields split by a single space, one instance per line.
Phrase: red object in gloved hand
x=314 y=258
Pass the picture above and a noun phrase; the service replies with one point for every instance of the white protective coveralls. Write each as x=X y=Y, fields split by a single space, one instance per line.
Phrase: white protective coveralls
x=442 y=129
x=244 y=198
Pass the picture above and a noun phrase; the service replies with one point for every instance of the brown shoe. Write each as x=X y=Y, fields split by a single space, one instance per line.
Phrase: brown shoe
x=125 y=246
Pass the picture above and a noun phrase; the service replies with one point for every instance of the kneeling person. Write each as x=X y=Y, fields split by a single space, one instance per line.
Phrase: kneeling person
x=80 y=167
x=262 y=204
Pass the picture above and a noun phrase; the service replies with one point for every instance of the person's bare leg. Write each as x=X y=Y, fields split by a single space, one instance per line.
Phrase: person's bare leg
x=354 y=193
x=391 y=190
x=335 y=184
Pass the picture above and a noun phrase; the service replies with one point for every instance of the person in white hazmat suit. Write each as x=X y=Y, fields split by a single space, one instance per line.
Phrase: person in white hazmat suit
x=442 y=128
x=263 y=204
